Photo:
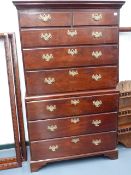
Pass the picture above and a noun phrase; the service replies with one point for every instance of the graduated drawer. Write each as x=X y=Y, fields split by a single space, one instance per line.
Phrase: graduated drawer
x=96 y=17
x=70 y=126
x=68 y=36
x=69 y=146
x=74 y=106
x=69 y=80
x=43 y=18
x=70 y=56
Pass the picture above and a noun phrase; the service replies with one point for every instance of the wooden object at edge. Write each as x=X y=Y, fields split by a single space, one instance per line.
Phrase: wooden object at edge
x=124 y=120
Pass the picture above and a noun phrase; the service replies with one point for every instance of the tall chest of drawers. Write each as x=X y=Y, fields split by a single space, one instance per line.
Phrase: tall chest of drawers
x=70 y=55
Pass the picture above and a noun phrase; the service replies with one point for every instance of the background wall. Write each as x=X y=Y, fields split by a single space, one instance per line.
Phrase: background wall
x=9 y=23
x=125 y=43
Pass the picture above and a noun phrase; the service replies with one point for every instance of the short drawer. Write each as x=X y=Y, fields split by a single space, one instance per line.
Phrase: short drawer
x=70 y=126
x=69 y=146
x=74 y=106
x=69 y=80
x=96 y=17
x=70 y=56
x=68 y=36
x=44 y=18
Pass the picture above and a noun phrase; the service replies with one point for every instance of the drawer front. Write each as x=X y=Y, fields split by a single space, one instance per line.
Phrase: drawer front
x=124 y=120
x=96 y=17
x=56 y=148
x=70 y=56
x=68 y=36
x=56 y=81
x=54 y=108
x=44 y=18
x=70 y=126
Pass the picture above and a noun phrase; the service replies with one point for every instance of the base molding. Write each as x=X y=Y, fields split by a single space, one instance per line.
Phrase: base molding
x=36 y=165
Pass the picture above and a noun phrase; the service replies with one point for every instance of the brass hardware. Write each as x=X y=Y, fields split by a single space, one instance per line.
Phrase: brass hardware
x=75 y=102
x=96 y=142
x=46 y=36
x=75 y=140
x=97 y=34
x=96 y=77
x=96 y=122
x=49 y=80
x=75 y=120
x=72 y=33
x=45 y=17
x=73 y=72
x=52 y=127
x=96 y=16
x=96 y=54
x=53 y=148
x=72 y=52
x=51 y=108
x=97 y=103
x=47 y=57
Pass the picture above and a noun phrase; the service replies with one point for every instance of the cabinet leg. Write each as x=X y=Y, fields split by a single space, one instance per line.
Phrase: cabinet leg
x=35 y=166
x=125 y=139
x=112 y=154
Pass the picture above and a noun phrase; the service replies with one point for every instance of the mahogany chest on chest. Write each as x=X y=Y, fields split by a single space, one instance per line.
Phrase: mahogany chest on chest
x=70 y=55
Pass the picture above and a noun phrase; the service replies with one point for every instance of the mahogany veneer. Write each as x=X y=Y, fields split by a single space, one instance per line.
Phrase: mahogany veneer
x=61 y=36
x=37 y=110
x=34 y=58
x=84 y=79
x=73 y=145
x=70 y=55
x=76 y=125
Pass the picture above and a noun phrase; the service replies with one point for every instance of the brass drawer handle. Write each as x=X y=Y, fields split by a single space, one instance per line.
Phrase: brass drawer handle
x=96 y=77
x=96 y=142
x=97 y=103
x=45 y=17
x=53 y=148
x=75 y=102
x=49 y=80
x=73 y=72
x=51 y=108
x=96 y=54
x=47 y=57
x=71 y=33
x=97 y=34
x=75 y=120
x=72 y=52
x=46 y=36
x=96 y=16
x=52 y=128
x=96 y=122
x=75 y=140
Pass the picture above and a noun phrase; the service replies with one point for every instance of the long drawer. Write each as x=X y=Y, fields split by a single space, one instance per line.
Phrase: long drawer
x=68 y=36
x=43 y=18
x=70 y=126
x=69 y=80
x=63 y=147
x=74 y=106
x=47 y=58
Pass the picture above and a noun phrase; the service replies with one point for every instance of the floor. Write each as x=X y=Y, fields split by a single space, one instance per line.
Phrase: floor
x=86 y=166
